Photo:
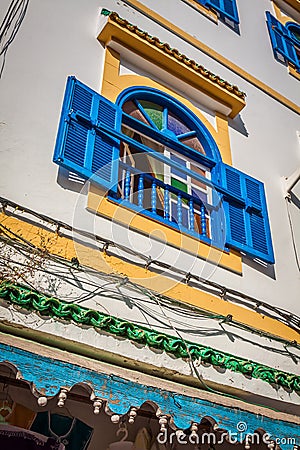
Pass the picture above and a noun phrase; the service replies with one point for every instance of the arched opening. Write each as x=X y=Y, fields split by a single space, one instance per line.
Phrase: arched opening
x=167 y=165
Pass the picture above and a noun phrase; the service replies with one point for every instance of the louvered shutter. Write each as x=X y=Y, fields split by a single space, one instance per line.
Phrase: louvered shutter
x=226 y=8
x=281 y=40
x=247 y=223
x=84 y=144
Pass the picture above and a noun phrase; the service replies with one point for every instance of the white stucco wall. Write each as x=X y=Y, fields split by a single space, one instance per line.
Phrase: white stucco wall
x=57 y=39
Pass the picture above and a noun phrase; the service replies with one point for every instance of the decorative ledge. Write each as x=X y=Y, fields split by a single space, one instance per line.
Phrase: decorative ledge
x=120 y=31
x=53 y=307
x=294 y=4
x=50 y=376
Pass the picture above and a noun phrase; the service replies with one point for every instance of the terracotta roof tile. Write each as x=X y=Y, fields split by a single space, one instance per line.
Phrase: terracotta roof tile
x=174 y=52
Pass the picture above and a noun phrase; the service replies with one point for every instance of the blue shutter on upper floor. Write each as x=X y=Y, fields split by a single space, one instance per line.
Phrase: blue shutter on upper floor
x=84 y=144
x=282 y=41
x=246 y=215
x=226 y=8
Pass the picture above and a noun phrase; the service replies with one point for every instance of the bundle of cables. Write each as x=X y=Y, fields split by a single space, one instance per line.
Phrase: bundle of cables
x=10 y=27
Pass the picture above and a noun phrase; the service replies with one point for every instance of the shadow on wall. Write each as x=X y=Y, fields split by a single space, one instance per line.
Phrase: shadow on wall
x=262 y=267
x=70 y=180
x=238 y=125
x=295 y=200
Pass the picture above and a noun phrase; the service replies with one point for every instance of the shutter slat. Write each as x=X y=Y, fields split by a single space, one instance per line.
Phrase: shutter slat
x=281 y=40
x=226 y=8
x=80 y=146
x=247 y=223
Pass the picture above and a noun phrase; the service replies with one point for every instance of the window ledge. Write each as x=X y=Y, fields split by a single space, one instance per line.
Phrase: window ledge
x=294 y=4
x=115 y=30
x=107 y=207
x=293 y=72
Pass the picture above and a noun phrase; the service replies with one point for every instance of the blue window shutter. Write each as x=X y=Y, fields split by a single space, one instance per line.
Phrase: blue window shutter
x=226 y=8
x=281 y=40
x=247 y=223
x=81 y=144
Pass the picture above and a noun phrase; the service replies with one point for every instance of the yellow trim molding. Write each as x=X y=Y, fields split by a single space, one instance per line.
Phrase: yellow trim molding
x=117 y=31
x=203 y=10
x=157 y=18
x=112 y=85
x=293 y=72
x=66 y=248
x=98 y=203
x=294 y=4
x=280 y=16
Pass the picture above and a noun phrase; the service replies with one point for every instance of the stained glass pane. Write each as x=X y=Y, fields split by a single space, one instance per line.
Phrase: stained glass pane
x=295 y=31
x=154 y=111
x=177 y=172
x=179 y=185
x=200 y=195
x=199 y=172
x=194 y=143
x=131 y=109
x=176 y=125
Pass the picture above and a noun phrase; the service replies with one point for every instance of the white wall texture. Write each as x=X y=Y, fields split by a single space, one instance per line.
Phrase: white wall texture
x=57 y=39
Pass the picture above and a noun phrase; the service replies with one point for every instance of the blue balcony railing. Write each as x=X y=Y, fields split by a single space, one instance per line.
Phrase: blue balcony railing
x=163 y=202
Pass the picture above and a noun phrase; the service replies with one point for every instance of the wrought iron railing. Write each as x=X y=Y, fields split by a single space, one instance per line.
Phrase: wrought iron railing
x=152 y=196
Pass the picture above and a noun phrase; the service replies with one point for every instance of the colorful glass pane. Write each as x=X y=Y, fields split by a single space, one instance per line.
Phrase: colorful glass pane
x=295 y=31
x=131 y=109
x=194 y=143
x=154 y=111
x=176 y=125
x=177 y=172
x=180 y=185
x=199 y=172
x=200 y=195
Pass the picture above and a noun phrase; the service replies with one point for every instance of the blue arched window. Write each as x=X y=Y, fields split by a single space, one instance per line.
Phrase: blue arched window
x=169 y=159
x=285 y=40
x=153 y=155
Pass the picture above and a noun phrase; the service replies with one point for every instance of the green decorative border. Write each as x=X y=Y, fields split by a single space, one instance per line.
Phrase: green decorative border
x=49 y=306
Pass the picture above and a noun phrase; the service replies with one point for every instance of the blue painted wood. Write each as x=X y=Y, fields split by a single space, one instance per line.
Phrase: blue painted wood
x=127 y=186
x=141 y=191
x=179 y=210
x=153 y=197
x=203 y=221
x=247 y=224
x=166 y=204
x=78 y=147
x=226 y=8
x=48 y=375
x=191 y=215
x=282 y=40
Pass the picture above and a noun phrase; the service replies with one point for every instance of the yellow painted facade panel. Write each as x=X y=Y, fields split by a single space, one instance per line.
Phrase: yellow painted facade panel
x=54 y=244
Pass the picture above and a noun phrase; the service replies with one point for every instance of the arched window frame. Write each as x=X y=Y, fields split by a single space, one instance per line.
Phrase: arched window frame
x=290 y=25
x=88 y=143
x=210 y=160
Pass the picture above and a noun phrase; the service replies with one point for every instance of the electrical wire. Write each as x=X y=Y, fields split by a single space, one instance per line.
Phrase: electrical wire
x=195 y=370
x=285 y=316
x=10 y=26
x=292 y=232
x=173 y=306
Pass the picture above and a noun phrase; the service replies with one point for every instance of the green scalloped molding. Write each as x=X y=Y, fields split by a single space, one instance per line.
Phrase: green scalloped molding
x=53 y=307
